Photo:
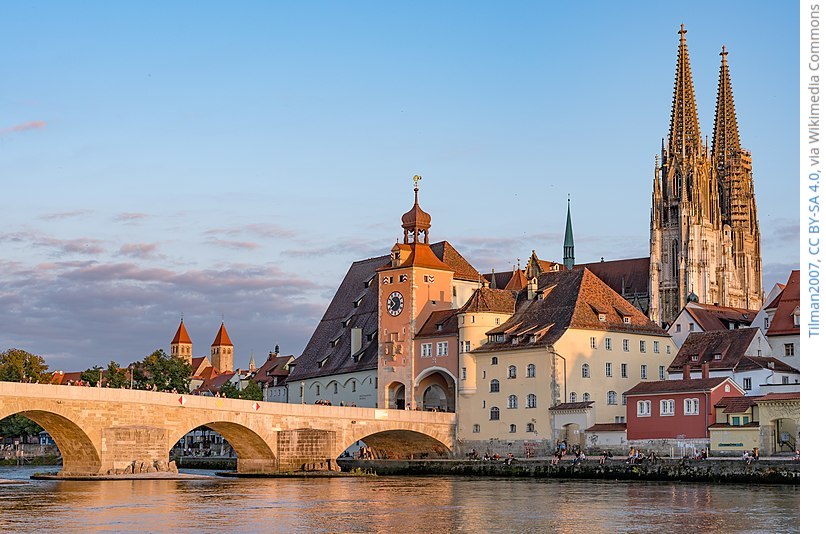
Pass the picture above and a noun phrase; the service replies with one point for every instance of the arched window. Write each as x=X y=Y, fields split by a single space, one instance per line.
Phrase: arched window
x=511 y=371
x=531 y=370
x=494 y=361
x=513 y=401
x=612 y=397
x=586 y=397
x=513 y=429
x=530 y=427
x=494 y=386
x=531 y=402
x=494 y=414
x=573 y=396
x=586 y=371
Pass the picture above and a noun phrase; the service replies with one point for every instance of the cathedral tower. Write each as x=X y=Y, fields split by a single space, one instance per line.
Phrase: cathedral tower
x=686 y=218
x=181 y=346
x=742 y=285
x=222 y=351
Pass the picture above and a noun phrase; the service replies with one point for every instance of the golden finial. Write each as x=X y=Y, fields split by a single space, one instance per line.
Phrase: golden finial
x=416 y=179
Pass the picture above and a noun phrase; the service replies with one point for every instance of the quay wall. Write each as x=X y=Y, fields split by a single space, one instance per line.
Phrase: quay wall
x=709 y=470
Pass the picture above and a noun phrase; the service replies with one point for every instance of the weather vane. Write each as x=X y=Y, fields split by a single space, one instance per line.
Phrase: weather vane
x=416 y=179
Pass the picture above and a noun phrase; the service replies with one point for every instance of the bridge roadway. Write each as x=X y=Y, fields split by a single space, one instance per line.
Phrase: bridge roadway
x=100 y=430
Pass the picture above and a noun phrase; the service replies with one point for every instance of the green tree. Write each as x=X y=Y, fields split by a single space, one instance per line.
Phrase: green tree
x=93 y=375
x=115 y=376
x=20 y=366
x=17 y=426
x=253 y=391
x=167 y=373
x=229 y=391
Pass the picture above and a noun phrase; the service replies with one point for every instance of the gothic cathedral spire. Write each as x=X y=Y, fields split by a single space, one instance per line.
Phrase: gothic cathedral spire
x=684 y=135
x=568 y=244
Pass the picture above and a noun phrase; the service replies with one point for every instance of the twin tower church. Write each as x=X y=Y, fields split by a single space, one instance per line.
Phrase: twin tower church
x=421 y=328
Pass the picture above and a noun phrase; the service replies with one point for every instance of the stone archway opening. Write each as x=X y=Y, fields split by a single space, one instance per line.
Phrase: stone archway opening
x=436 y=392
x=225 y=440
x=397 y=445
x=396 y=395
x=80 y=456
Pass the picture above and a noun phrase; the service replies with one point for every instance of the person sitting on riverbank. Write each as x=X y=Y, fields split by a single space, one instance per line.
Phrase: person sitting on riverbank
x=605 y=455
x=509 y=460
x=579 y=458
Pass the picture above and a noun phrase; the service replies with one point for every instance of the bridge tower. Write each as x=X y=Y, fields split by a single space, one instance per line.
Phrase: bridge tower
x=181 y=345
x=222 y=351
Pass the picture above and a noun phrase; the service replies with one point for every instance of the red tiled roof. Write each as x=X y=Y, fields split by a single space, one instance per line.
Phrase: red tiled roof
x=787 y=302
x=214 y=383
x=779 y=396
x=517 y=282
x=751 y=424
x=710 y=317
x=607 y=427
x=735 y=404
x=571 y=406
x=440 y=323
x=731 y=345
x=626 y=277
x=462 y=270
x=181 y=336
x=485 y=299
x=274 y=367
x=678 y=386
x=61 y=378
x=222 y=338
x=750 y=363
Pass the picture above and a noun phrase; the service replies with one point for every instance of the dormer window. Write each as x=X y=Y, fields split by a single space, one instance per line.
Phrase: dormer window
x=334 y=342
x=515 y=340
x=602 y=317
x=626 y=320
x=323 y=362
x=796 y=318
x=718 y=356
x=357 y=302
x=500 y=338
x=695 y=357
x=439 y=327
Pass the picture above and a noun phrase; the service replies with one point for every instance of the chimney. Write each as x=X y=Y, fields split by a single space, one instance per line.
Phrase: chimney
x=355 y=341
x=686 y=372
x=532 y=286
x=705 y=369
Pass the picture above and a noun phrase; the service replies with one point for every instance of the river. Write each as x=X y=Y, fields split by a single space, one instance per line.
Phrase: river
x=392 y=504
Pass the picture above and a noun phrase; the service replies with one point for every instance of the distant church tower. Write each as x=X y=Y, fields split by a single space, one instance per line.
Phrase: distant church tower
x=181 y=346
x=696 y=199
x=568 y=245
x=222 y=349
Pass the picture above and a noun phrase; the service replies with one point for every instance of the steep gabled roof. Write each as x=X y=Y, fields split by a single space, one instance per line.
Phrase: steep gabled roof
x=356 y=305
x=181 y=336
x=710 y=317
x=751 y=363
x=489 y=300
x=731 y=345
x=440 y=323
x=679 y=386
x=787 y=303
x=626 y=277
x=735 y=404
x=222 y=338
x=514 y=280
x=462 y=269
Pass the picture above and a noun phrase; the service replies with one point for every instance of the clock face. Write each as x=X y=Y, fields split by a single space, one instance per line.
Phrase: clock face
x=395 y=303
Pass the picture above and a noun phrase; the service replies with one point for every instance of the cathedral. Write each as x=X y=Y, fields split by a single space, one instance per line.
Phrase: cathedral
x=705 y=238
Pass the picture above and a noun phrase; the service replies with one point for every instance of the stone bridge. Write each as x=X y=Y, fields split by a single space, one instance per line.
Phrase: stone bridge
x=100 y=431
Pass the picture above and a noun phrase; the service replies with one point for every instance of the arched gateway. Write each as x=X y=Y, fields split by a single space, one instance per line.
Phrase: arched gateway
x=100 y=431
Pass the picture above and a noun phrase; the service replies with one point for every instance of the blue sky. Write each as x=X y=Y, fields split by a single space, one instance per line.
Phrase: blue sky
x=218 y=159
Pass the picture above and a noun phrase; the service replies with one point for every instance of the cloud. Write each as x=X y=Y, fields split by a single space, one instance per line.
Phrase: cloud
x=129 y=217
x=65 y=214
x=139 y=250
x=24 y=127
x=238 y=245
x=263 y=230
x=82 y=245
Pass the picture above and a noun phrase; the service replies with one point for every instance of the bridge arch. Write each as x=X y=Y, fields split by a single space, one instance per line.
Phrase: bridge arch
x=254 y=453
x=80 y=456
x=400 y=444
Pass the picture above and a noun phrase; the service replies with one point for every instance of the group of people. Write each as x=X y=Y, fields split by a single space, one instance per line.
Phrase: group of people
x=754 y=455
x=324 y=402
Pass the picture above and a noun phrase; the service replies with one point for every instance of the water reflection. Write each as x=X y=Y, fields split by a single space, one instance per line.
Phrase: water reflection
x=423 y=504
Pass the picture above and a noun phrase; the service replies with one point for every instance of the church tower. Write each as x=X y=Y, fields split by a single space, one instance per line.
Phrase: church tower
x=181 y=346
x=686 y=218
x=412 y=286
x=568 y=244
x=742 y=285
x=222 y=351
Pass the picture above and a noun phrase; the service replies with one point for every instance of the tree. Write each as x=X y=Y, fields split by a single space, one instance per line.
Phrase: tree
x=166 y=373
x=115 y=376
x=20 y=366
x=229 y=391
x=253 y=391
x=92 y=376
x=17 y=426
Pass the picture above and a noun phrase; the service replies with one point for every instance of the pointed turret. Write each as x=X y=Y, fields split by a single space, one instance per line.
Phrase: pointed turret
x=181 y=345
x=568 y=245
x=726 y=140
x=222 y=351
x=416 y=222
x=684 y=134
x=252 y=363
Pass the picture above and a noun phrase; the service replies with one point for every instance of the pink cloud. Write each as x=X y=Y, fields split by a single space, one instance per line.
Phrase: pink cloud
x=138 y=250
x=26 y=126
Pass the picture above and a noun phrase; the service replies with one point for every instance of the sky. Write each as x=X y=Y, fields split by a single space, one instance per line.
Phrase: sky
x=229 y=161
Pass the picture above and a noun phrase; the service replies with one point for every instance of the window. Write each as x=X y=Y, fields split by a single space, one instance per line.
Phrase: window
x=625 y=345
x=531 y=370
x=656 y=347
x=441 y=348
x=354 y=386
x=530 y=427
x=690 y=327
x=644 y=372
x=586 y=371
x=608 y=369
x=335 y=388
x=745 y=419
x=497 y=320
x=695 y=357
x=476 y=429
x=465 y=345
x=667 y=407
x=593 y=342
x=531 y=403
x=643 y=408
x=766 y=323
x=494 y=361
x=602 y=317
x=494 y=386
x=668 y=349
x=735 y=420
x=511 y=371
x=747 y=384
x=427 y=350
x=796 y=318
x=662 y=372
x=679 y=328
x=785 y=380
x=789 y=349
x=624 y=399
x=626 y=320
x=513 y=429
x=691 y=406
x=586 y=397
x=624 y=370
x=572 y=396
x=619 y=418
x=513 y=402
x=464 y=373
x=317 y=389
x=494 y=414
x=612 y=397
x=607 y=343
x=642 y=346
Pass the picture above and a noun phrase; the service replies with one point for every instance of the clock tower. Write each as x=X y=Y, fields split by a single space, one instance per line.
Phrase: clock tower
x=412 y=286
